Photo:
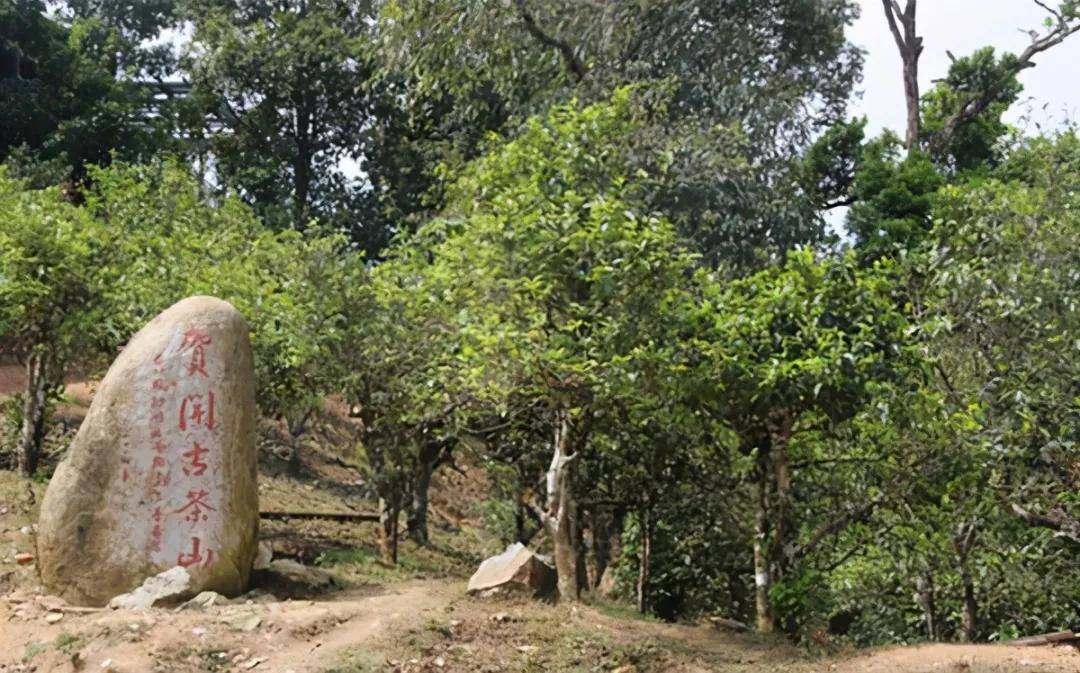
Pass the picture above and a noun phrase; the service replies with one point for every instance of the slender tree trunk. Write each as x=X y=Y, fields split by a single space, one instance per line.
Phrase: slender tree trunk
x=964 y=543
x=606 y=582
x=645 y=562
x=561 y=517
x=772 y=525
x=766 y=549
x=779 y=435
x=601 y=539
x=302 y=160
x=971 y=606
x=761 y=561
x=924 y=595
x=32 y=432
x=582 y=556
x=388 y=528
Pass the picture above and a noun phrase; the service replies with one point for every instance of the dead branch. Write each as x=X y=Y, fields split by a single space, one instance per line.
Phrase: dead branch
x=978 y=102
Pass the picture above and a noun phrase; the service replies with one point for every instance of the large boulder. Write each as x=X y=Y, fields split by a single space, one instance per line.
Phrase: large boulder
x=515 y=570
x=162 y=472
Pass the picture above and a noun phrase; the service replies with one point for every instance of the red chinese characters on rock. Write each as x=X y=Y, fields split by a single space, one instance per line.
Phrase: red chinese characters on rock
x=195 y=556
x=195 y=507
x=195 y=466
x=193 y=413
x=196 y=341
x=196 y=415
x=158 y=476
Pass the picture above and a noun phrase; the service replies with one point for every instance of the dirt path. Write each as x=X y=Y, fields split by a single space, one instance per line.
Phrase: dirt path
x=298 y=636
x=431 y=626
x=724 y=651
x=960 y=658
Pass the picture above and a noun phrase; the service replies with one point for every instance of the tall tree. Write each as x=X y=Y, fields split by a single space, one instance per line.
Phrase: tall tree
x=284 y=86
x=548 y=276
x=770 y=74
x=792 y=347
x=86 y=90
x=56 y=268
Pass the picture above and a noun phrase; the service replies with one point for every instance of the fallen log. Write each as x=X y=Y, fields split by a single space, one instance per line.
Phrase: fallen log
x=331 y=516
x=1046 y=639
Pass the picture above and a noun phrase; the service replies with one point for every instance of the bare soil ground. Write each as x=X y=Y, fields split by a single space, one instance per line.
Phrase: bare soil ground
x=410 y=618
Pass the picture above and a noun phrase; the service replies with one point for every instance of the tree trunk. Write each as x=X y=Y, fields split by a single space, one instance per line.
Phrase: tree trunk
x=772 y=518
x=561 y=517
x=303 y=158
x=924 y=596
x=781 y=558
x=761 y=560
x=911 y=94
x=606 y=581
x=32 y=432
x=970 y=606
x=902 y=26
x=964 y=542
x=645 y=562
x=427 y=462
x=388 y=528
x=582 y=556
x=601 y=540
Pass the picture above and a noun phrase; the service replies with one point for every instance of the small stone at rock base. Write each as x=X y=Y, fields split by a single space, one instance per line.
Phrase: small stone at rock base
x=252 y=663
x=54 y=617
x=245 y=622
x=205 y=599
x=24 y=559
x=170 y=586
x=258 y=596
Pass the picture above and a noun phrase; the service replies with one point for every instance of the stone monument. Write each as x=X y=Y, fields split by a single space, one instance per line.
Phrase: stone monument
x=162 y=472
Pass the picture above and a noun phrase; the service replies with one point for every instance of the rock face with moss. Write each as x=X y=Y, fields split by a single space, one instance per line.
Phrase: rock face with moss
x=162 y=472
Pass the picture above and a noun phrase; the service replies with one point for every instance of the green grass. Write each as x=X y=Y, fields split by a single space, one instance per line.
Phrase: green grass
x=358 y=660
x=65 y=642
x=617 y=610
x=363 y=565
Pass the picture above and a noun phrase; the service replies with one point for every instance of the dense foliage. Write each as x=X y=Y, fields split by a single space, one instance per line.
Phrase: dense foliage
x=583 y=246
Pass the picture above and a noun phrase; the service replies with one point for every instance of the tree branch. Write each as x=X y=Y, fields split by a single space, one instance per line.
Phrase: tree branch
x=573 y=63
x=890 y=8
x=980 y=101
x=835 y=526
x=1066 y=526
